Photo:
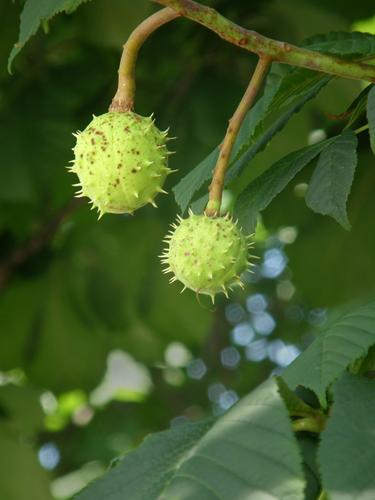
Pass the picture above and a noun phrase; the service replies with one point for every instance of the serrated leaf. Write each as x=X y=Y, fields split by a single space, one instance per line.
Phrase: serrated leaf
x=295 y=405
x=35 y=13
x=143 y=473
x=332 y=179
x=371 y=116
x=259 y=194
x=342 y=43
x=346 y=340
x=347 y=450
x=251 y=452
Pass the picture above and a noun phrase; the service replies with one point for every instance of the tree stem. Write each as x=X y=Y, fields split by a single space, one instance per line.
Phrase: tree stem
x=278 y=51
x=124 y=97
x=217 y=184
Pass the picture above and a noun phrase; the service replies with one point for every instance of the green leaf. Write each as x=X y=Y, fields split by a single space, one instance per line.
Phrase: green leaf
x=343 y=43
x=143 y=473
x=358 y=107
x=194 y=180
x=371 y=116
x=368 y=363
x=259 y=194
x=332 y=179
x=251 y=452
x=347 y=450
x=295 y=405
x=344 y=341
x=35 y=13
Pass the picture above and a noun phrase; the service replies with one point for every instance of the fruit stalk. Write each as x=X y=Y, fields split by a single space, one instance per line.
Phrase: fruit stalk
x=217 y=184
x=124 y=97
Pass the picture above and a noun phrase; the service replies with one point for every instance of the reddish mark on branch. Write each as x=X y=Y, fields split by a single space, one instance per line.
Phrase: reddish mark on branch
x=243 y=41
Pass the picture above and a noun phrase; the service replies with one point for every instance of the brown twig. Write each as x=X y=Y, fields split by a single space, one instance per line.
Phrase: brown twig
x=282 y=52
x=124 y=97
x=36 y=242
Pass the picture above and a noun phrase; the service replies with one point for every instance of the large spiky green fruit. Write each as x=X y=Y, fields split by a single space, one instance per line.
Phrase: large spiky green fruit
x=207 y=254
x=121 y=160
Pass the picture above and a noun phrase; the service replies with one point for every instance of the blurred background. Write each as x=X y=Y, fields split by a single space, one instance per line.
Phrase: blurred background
x=96 y=348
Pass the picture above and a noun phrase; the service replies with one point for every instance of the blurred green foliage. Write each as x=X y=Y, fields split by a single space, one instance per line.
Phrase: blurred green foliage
x=74 y=289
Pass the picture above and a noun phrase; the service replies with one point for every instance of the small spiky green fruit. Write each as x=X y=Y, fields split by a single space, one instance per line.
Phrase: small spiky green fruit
x=121 y=160
x=207 y=254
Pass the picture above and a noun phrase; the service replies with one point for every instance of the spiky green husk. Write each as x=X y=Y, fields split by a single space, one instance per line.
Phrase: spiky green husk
x=207 y=254
x=121 y=162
